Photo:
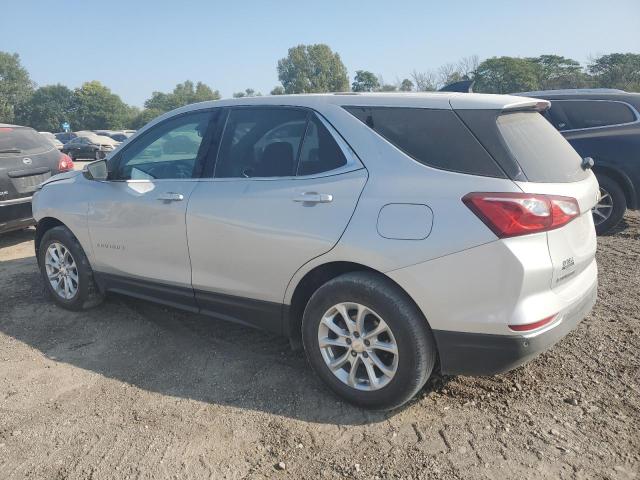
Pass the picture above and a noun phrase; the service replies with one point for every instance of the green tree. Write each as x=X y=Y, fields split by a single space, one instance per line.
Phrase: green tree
x=365 y=81
x=15 y=86
x=249 y=92
x=617 y=70
x=506 y=75
x=312 y=69
x=183 y=94
x=406 y=85
x=387 y=87
x=555 y=72
x=97 y=107
x=277 y=90
x=48 y=108
x=143 y=117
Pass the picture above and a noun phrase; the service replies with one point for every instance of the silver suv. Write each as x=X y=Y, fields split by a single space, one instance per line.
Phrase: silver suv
x=385 y=233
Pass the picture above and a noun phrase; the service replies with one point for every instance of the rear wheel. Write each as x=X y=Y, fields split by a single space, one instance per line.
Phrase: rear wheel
x=65 y=270
x=610 y=209
x=368 y=341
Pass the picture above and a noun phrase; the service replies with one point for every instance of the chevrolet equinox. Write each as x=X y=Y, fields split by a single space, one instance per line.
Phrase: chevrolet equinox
x=384 y=233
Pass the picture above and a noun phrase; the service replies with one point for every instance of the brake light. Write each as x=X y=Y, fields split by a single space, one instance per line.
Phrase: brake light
x=532 y=326
x=513 y=214
x=65 y=163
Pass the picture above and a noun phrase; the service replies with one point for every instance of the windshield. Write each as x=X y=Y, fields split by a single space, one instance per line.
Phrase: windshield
x=22 y=141
x=543 y=154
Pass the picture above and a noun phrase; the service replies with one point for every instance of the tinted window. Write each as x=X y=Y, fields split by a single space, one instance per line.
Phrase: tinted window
x=542 y=153
x=320 y=152
x=572 y=114
x=168 y=150
x=433 y=137
x=22 y=140
x=260 y=142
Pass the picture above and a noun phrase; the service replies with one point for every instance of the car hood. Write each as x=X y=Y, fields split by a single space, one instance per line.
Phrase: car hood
x=61 y=176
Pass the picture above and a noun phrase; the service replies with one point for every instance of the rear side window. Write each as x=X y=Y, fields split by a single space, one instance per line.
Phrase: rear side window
x=15 y=141
x=542 y=153
x=577 y=114
x=436 y=138
x=320 y=152
x=261 y=142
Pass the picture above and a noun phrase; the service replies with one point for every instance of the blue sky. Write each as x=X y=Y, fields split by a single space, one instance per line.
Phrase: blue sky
x=136 y=47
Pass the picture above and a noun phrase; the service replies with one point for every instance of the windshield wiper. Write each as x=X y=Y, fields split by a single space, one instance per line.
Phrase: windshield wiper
x=11 y=150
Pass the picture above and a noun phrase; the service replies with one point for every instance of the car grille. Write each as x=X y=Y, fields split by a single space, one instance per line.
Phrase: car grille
x=29 y=183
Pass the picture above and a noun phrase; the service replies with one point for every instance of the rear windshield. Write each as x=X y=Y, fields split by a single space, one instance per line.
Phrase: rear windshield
x=436 y=138
x=16 y=141
x=542 y=153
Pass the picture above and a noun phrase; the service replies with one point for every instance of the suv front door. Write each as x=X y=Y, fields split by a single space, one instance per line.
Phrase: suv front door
x=137 y=217
x=284 y=188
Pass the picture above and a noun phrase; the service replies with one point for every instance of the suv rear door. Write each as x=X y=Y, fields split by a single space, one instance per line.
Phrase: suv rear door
x=545 y=163
x=26 y=160
x=282 y=192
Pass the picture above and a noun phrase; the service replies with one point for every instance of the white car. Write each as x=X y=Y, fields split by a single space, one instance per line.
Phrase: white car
x=385 y=233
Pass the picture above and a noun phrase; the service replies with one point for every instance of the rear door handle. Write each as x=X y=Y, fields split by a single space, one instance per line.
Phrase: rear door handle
x=313 y=197
x=171 y=197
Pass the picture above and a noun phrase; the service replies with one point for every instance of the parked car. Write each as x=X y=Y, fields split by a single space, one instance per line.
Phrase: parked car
x=52 y=138
x=117 y=135
x=26 y=159
x=602 y=124
x=89 y=147
x=65 y=137
x=391 y=234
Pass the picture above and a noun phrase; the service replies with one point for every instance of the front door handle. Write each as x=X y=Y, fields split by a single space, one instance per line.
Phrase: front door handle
x=171 y=197
x=313 y=197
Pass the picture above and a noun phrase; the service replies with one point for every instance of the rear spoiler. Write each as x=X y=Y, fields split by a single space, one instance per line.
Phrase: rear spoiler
x=527 y=105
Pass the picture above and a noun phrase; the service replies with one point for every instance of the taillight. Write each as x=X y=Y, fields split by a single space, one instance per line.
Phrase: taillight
x=527 y=327
x=513 y=214
x=65 y=163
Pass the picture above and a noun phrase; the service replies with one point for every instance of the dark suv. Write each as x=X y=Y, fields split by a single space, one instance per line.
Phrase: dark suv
x=603 y=124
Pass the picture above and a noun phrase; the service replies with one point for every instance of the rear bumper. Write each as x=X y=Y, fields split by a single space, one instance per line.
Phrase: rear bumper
x=463 y=353
x=15 y=214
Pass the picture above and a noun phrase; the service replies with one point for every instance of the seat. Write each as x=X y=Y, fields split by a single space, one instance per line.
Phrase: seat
x=277 y=161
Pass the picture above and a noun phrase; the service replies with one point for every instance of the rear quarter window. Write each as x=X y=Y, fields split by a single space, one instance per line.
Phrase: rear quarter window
x=436 y=138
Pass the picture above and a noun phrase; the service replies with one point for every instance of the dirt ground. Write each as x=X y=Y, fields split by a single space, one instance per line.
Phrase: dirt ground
x=134 y=390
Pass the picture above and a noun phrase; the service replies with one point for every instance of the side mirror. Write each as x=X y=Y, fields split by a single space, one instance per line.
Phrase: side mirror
x=96 y=170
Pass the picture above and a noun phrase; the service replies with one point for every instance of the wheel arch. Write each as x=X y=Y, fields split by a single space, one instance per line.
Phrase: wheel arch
x=630 y=193
x=314 y=279
x=45 y=224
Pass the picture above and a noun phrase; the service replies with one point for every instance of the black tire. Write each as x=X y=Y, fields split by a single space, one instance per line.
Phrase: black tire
x=88 y=294
x=415 y=343
x=613 y=188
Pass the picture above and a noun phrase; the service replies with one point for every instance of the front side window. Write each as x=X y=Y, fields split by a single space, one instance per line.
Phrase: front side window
x=261 y=142
x=169 y=150
x=578 y=114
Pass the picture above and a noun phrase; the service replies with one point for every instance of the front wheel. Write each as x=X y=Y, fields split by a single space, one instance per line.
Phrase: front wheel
x=65 y=270
x=611 y=207
x=368 y=341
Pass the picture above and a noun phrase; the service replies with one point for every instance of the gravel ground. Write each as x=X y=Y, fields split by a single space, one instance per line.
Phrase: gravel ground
x=134 y=390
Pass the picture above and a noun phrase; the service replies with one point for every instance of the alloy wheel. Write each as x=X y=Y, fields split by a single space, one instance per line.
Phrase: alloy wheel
x=603 y=209
x=358 y=346
x=62 y=271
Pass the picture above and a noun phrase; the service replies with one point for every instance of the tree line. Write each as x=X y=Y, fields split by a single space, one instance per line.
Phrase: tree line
x=305 y=69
